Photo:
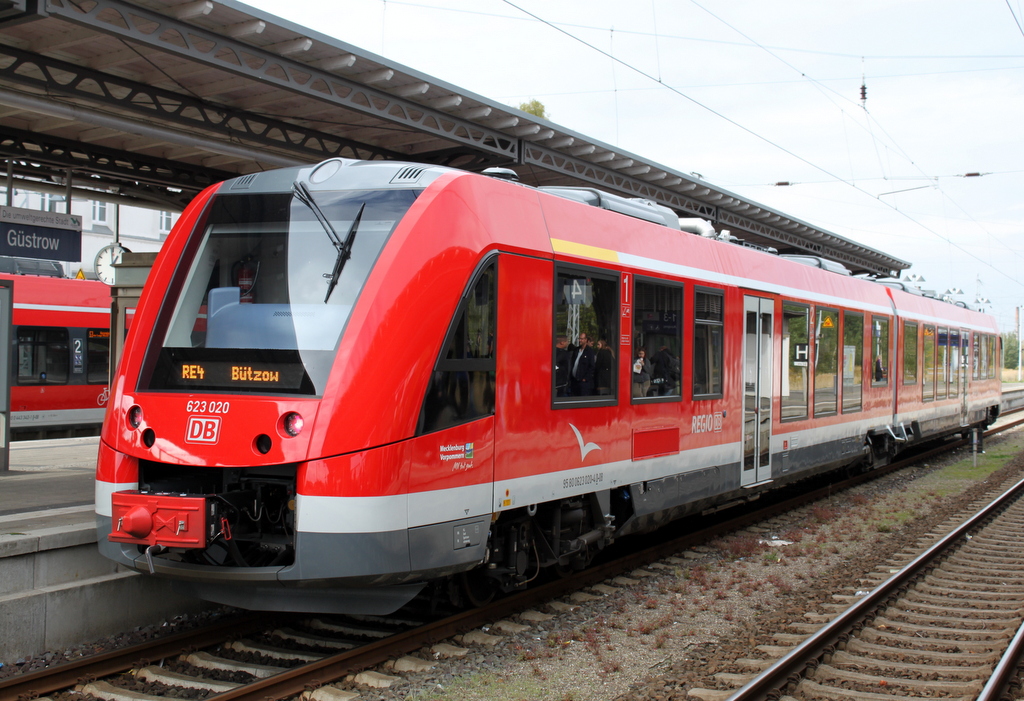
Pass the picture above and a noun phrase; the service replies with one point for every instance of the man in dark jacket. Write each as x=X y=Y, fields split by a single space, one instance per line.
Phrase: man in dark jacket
x=581 y=371
x=563 y=361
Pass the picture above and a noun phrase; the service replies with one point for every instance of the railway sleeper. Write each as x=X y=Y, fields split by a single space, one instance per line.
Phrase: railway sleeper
x=828 y=673
x=953 y=633
x=929 y=645
x=859 y=646
x=969 y=670
x=901 y=615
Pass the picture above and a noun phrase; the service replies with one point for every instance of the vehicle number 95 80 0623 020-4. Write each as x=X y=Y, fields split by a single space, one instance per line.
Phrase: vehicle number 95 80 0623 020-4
x=205 y=407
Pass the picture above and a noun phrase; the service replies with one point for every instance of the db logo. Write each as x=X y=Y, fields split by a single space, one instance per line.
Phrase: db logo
x=203 y=429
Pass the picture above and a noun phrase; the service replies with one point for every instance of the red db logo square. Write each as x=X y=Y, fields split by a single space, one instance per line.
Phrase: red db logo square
x=203 y=429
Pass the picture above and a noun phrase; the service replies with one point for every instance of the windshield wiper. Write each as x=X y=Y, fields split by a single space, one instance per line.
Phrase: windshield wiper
x=344 y=246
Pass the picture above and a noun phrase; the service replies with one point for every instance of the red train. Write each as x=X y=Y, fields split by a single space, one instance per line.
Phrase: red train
x=360 y=378
x=60 y=356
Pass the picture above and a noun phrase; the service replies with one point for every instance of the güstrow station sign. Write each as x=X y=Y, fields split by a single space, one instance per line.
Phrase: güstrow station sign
x=29 y=233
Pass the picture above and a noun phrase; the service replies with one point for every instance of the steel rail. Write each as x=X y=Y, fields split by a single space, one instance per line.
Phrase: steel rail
x=62 y=676
x=324 y=671
x=790 y=668
x=1006 y=671
x=298 y=679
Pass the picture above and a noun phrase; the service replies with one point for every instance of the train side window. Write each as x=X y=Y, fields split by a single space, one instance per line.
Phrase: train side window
x=853 y=361
x=708 y=322
x=586 y=326
x=42 y=354
x=826 y=360
x=879 y=351
x=928 y=353
x=942 y=362
x=796 y=355
x=978 y=369
x=910 y=344
x=658 y=332
x=995 y=358
x=954 y=363
x=98 y=357
x=462 y=385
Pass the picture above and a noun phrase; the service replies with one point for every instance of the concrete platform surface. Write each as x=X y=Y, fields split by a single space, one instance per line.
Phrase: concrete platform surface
x=49 y=474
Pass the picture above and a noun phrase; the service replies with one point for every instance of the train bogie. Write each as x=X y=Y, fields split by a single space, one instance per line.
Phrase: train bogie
x=362 y=378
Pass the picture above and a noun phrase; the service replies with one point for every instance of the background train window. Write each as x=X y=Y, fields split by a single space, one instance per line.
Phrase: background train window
x=708 y=312
x=910 y=352
x=826 y=361
x=928 y=353
x=462 y=384
x=42 y=355
x=879 y=351
x=976 y=368
x=586 y=307
x=994 y=357
x=98 y=357
x=658 y=332
x=853 y=361
x=796 y=355
x=942 y=362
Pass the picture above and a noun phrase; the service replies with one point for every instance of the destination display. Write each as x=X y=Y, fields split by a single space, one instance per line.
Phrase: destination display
x=231 y=370
x=227 y=374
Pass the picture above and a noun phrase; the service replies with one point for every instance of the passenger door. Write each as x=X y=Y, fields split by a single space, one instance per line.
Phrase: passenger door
x=965 y=376
x=758 y=315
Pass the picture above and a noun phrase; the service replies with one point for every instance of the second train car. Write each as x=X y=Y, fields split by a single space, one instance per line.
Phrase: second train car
x=60 y=355
x=361 y=378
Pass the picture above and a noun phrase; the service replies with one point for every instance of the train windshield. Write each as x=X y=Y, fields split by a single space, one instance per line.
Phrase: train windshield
x=270 y=289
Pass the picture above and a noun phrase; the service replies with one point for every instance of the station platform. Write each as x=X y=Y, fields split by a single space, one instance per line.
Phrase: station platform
x=55 y=589
x=49 y=482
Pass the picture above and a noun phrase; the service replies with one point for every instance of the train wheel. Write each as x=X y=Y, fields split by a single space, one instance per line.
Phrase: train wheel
x=478 y=588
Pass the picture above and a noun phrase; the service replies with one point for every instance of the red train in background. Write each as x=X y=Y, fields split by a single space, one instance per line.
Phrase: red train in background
x=359 y=379
x=60 y=356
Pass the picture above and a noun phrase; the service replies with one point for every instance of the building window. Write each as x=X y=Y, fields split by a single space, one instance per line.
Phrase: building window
x=796 y=353
x=708 y=312
x=52 y=203
x=165 y=222
x=657 y=340
x=99 y=213
x=853 y=361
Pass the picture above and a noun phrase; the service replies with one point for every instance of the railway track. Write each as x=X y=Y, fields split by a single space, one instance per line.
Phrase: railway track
x=946 y=625
x=253 y=658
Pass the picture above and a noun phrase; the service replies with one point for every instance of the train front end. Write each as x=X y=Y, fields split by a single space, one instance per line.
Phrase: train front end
x=237 y=384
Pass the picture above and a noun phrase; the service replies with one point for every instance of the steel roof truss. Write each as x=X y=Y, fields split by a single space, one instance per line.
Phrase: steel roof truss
x=54 y=76
x=171 y=36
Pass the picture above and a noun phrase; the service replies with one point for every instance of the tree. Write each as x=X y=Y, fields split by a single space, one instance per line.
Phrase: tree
x=534 y=107
x=1010 y=351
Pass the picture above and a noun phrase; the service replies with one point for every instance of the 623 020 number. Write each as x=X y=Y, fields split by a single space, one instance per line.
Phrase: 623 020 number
x=205 y=407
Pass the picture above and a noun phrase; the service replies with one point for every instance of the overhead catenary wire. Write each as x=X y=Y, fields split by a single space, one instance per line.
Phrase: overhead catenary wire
x=761 y=137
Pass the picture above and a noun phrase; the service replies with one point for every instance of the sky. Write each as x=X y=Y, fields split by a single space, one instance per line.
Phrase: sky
x=750 y=94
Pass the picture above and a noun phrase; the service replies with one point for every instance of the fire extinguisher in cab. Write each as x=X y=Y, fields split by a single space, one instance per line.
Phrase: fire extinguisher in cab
x=245 y=273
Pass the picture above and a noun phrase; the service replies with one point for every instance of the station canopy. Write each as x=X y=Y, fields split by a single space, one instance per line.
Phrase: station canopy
x=149 y=101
